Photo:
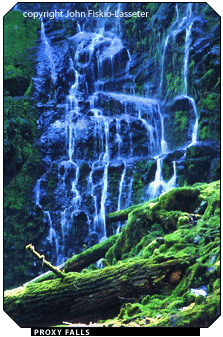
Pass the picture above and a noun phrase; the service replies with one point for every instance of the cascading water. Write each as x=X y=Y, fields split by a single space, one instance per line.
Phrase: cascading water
x=158 y=186
x=48 y=53
x=120 y=194
x=186 y=53
x=104 y=135
x=163 y=60
x=52 y=237
x=37 y=190
x=195 y=127
x=194 y=132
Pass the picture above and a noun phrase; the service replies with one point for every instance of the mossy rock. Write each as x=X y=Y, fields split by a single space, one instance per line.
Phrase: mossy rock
x=217 y=267
x=132 y=309
x=184 y=199
x=169 y=219
x=183 y=220
x=198 y=151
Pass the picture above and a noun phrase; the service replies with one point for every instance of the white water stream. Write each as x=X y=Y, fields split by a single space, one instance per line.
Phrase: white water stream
x=111 y=128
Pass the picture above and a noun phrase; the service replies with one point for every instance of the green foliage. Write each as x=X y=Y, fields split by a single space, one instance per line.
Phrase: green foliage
x=132 y=309
x=21 y=156
x=178 y=126
x=174 y=84
x=20 y=35
x=20 y=117
x=168 y=216
x=143 y=175
x=182 y=198
x=199 y=240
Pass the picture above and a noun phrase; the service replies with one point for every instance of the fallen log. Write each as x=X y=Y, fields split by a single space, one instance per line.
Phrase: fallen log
x=120 y=215
x=123 y=214
x=89 y=256
x=81 y=298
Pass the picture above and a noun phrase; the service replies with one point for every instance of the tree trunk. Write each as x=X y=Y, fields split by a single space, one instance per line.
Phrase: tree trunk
x=81 y=298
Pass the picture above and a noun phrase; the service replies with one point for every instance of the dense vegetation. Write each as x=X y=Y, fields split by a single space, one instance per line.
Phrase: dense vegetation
x=21 y=155
x=182 y=225
x=179 y=224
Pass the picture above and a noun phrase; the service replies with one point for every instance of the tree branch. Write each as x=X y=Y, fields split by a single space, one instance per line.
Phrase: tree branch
x=31 y=249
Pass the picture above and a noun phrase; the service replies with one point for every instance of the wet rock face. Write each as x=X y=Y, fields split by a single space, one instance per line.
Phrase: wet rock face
x=180 y=121
x=97 y=146
x=102 y=124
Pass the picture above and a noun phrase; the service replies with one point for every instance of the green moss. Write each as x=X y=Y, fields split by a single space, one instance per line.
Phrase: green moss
x=123 y=213
x=188 y=298
x=189 y=239
x=209 y=105
x=217 y=267
x=217 y=284
x=184 y=199
x=151 y=220
x=146 y=300
x=21 y=155
x=179 y=236
x=20 y=36
x=200 y=299
x=182 y=220
x=132 y=309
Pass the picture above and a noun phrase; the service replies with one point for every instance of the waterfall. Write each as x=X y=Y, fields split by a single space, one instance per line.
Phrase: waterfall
x=102 y=219
x=120 y=186
x=112 y=69
x=186 y=54
x=172 y=182
x=177 y=11
x=64 y=230
x=52 y=236
x=159 y=186
x=77 y=198
x=118 y=26
x=149 y=129
x=72 y=108
x=105 y=183
x=48 y=53
x=37 y=190
x=78 y=27
x=164 y=147
x=163 y=60
x=129 y=62
x=156 y=187
x=187 y=44
x=129 y=199
x=194 y=133
x=100 y=124
x=120 y=194
x=195 y=127
x=118 y=137
x=184 y=23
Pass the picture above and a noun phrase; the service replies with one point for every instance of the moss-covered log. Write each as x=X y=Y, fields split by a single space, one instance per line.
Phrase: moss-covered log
x=91 y=255
x=91 y=296
x=120 y=215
